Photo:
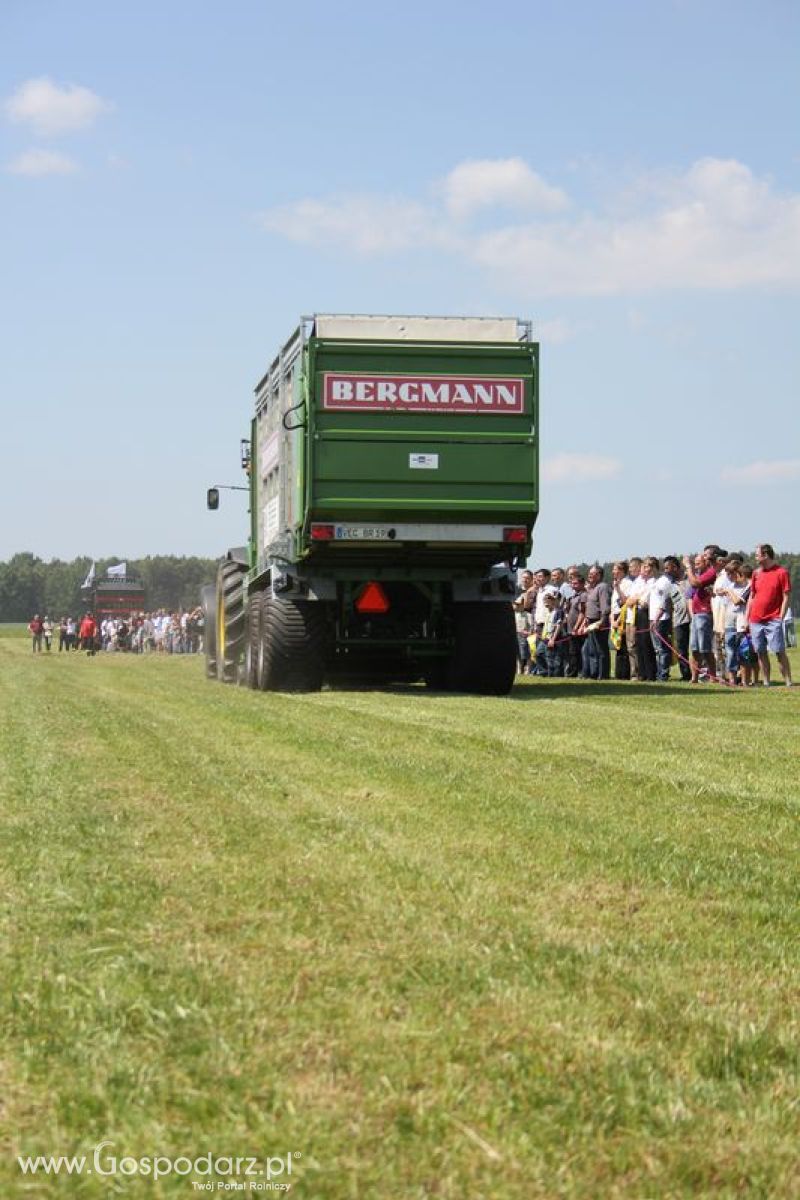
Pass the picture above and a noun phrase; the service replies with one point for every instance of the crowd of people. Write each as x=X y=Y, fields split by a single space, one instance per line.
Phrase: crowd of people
x=158 y=632
x=714 y=616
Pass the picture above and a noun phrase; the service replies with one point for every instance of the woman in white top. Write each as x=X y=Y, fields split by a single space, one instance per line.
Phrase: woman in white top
x=640 y=595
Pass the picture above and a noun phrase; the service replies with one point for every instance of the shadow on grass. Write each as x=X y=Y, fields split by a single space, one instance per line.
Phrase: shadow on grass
x=559 y=688
x=552 y=689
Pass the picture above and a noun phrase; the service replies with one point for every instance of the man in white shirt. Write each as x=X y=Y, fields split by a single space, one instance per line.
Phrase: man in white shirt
x=523 y=621
x=660 y=611
x=720 y=605
x=559 y=582
x=620 y=589
x=542 y=580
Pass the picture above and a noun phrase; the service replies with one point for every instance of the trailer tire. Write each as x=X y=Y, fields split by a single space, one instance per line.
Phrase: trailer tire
x=208 y=599
x=250 y=674
x=485 y=655
x=291 y=649
x=230 y=620
x=436 y=675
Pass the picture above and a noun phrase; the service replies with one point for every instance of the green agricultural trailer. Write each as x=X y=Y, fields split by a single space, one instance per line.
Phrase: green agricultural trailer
x=393 y=480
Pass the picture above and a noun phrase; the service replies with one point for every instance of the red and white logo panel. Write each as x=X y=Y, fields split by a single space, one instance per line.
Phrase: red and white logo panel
x=422 y=393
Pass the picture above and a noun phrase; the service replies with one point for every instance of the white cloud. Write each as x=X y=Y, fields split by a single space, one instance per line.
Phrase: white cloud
x=722 y=228
x=760 y=473
x=51 y=110
x=580 y=468
x=715 y=225
x=491 y=182
x=366 y=224
x=42 y=162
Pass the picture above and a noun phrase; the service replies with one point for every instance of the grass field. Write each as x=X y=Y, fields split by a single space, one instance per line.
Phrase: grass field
x=432 y=946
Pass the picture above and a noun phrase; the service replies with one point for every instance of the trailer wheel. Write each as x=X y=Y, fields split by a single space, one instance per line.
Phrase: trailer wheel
x=208 y=599
x=485 y=656
x=252 y=640
x=230 y=620
x=436 y=675
x=291 y=648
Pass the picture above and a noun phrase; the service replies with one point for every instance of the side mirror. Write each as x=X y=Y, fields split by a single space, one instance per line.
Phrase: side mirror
x=212 y=498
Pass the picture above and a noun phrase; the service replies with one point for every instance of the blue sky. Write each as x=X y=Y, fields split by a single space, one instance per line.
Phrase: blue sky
x=180 y=182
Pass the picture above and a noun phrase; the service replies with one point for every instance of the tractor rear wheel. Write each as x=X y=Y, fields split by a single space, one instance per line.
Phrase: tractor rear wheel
x=230 y=620
x=485 y=655
x=208 y=599
x=291 y=649
x=253 y=639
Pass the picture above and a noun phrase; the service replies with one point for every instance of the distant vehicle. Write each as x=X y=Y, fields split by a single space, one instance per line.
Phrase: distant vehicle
x=393 y=480
x=114 y=596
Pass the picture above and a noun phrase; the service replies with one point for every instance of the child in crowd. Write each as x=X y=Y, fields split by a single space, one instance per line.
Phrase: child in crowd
x=748 y=658
x=734 y=595
x=554 y=633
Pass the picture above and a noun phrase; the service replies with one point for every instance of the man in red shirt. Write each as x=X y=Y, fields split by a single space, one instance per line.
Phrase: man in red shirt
x=36 y=629
x=88 y=634
x=770 y=592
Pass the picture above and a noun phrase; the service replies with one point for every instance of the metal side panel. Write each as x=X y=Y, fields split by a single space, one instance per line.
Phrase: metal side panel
x=417 y=329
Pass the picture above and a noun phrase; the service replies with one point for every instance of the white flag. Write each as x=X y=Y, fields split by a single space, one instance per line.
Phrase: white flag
x=117 y=572
x=89 y=580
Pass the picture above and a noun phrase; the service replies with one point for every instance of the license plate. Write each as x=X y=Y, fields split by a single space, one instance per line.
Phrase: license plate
x=362 y=533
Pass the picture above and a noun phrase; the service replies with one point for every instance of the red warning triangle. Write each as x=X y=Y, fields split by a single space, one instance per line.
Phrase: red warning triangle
x=372 y=599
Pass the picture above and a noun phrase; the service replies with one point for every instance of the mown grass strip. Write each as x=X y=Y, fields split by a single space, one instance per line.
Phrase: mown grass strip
x=543 y=946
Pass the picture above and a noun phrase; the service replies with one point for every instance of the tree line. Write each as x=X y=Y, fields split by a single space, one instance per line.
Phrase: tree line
x=29 y=585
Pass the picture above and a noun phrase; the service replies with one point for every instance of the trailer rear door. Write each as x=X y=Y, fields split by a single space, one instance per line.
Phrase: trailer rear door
x=423 y=432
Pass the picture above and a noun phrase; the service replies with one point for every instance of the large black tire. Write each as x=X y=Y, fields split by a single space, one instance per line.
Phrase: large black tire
x=436 y=675
x=230 y=620
x=485 y=655
x=253 y=639
x=208 y=599
x=291 y=652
